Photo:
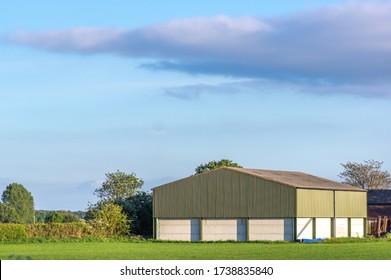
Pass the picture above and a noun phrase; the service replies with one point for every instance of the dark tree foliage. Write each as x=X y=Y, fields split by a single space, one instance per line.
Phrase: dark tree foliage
x=17 y=197
x=8 y=214
x=138 y=209
x=367 y=175
x=54 y=217
x=69 y=216
x=216 y=164
x=40 y=215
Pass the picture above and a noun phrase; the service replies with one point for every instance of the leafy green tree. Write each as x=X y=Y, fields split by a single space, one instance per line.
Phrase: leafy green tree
x=70 y=217
x=216 y=164
x=40 y=215
x=8 y=214
x=138 y=209
x=54 y=217
x=110 y=221
x=16 y=196
x=118 y=185
x=367 y=175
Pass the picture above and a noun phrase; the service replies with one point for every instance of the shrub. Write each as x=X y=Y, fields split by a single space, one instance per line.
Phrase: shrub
x=109 y=221
x=60 y=230
x=12 y=231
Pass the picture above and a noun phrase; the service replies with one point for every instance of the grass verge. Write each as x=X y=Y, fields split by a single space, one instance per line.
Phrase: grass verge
x=140 y=249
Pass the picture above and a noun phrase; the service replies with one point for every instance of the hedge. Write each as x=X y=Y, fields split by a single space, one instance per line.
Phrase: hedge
x=42 y=230
x=60 y=230
x=12 y=231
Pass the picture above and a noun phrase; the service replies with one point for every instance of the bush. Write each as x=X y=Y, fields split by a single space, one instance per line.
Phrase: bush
x=109 y=221
x=12 y=231
x=103 y=226
x=60 y=230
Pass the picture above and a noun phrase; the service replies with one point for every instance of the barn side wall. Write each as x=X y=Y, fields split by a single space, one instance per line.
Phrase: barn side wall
x=315 y=203
x=224 y=194
x=351 y=204
x=320 y=203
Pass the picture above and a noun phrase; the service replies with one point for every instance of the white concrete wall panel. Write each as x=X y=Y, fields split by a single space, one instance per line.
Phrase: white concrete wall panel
x=179 y=229
x=224 y=229
x=323 y=227
x=271 y=229
x=357 y=227
x=341 y=227
x=304 y=228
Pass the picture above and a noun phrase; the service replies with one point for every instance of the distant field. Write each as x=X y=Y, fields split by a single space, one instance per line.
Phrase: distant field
x=147 y=250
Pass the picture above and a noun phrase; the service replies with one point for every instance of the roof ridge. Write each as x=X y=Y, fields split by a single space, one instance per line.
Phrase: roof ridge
x=300 y=180
x=256 y=173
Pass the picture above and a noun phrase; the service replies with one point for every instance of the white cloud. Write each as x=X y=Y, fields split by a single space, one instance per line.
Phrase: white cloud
x=346 y=44
x=80 y=39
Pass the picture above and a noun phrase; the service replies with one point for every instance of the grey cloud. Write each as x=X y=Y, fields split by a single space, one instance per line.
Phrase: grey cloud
x=266 y=86
x=343 y=44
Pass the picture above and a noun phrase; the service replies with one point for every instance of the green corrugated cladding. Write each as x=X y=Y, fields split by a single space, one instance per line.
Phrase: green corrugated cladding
x=320 y=203
x=351 y=204
x=228 y=194
x=224 y=194
x=315 y=203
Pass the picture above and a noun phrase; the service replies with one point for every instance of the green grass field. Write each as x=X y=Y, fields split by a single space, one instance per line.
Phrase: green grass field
x=148 y=250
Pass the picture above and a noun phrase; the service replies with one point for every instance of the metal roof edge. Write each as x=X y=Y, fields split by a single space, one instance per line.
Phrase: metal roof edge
x=193 y=175
x=244 y=171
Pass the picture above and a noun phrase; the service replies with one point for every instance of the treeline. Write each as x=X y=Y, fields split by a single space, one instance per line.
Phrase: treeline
x=123 y=209
x=61 y=216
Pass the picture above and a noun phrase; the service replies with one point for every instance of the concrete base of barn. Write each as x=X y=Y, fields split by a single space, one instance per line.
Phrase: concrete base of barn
x=242 y=229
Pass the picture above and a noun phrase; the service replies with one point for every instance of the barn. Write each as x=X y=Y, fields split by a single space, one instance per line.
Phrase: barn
x=252 y=204
x=379 y=211
x=379 y=203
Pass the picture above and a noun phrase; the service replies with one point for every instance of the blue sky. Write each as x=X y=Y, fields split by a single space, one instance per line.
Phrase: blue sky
x=90 y=87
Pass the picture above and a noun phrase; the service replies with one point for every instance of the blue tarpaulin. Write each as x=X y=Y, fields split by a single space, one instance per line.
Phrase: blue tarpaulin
x=307 y=240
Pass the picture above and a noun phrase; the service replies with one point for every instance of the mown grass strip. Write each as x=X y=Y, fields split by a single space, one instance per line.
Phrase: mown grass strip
x=111 y=249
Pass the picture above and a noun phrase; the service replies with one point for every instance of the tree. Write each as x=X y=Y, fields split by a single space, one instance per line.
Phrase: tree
x=215 y=164
x=8 y=214
x=109 y=221
x=367 y=175
x=138 y=209
x=17 y=197
x=70 y=217
x=54 y=217
x=118 y=185
x=40 y=215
